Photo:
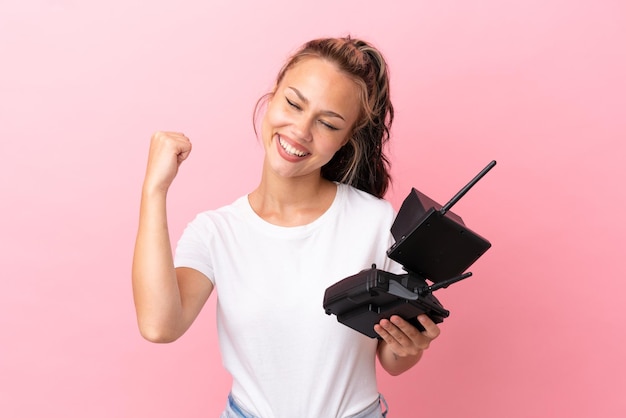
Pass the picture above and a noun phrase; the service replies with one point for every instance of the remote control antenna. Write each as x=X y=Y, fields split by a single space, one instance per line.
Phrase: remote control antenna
x=465 y=189
x=444 y=283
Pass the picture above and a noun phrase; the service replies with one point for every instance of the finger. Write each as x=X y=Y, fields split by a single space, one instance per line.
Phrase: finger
x=406 y=327
x=175 y=142
x=399 y=342
x=412 y=338
x=183 y=148
x=382 y=333
x=389 y=339
x=395 y=333
x=166 y=137
x=431 y=330
x=173 y=134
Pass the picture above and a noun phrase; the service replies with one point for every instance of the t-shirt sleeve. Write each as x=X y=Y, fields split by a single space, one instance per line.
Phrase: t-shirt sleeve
x=192 y=249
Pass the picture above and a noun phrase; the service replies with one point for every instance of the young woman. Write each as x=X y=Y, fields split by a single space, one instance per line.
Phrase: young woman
x=316 y=217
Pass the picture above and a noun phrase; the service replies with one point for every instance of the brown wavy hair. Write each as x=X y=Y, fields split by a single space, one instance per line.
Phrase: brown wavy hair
x=362 y=162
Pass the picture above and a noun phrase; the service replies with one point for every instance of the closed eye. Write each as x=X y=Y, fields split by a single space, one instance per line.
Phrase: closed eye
x=329 y=126
x=293 y=104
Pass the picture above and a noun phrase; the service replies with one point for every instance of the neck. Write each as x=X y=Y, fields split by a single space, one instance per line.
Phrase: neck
x=292 y=201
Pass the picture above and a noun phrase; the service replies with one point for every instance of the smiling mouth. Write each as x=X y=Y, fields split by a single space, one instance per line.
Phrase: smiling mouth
x=291 y=150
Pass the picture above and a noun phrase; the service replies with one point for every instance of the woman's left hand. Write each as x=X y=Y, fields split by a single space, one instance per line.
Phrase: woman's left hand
x=404 y=339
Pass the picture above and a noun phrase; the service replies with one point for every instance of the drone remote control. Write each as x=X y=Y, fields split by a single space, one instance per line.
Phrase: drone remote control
x=432 y=244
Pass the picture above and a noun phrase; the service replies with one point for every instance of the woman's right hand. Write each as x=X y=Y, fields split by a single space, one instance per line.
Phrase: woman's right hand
x=167 y=151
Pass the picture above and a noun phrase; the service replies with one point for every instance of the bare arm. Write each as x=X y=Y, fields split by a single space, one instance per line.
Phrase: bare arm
x=167 y=300
x=402 y=344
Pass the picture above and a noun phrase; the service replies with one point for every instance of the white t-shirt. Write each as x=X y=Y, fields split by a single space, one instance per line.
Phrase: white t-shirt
x=286 y=356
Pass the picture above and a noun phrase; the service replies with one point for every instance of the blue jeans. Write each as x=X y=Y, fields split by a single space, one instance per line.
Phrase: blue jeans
x=234 y=410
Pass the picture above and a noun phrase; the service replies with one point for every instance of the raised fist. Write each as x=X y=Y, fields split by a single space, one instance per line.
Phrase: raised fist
x=167 y=151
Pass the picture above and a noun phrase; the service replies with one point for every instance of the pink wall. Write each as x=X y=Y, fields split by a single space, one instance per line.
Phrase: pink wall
x=537 y=85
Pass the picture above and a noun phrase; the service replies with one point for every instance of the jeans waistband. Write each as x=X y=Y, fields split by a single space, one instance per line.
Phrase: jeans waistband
x=234 y=410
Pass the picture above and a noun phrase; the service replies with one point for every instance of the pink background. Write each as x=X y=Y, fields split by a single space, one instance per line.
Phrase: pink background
x=538 y=85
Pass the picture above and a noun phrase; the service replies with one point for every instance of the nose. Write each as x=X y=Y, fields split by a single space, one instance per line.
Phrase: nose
x=302 y=127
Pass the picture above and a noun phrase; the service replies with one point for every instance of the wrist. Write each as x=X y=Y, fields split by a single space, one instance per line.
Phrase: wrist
x=149 y=191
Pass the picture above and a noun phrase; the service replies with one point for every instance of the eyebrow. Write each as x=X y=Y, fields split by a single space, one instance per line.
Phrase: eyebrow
x=305 y=100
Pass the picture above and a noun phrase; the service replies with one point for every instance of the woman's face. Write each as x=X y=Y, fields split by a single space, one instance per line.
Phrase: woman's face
x=308 y=118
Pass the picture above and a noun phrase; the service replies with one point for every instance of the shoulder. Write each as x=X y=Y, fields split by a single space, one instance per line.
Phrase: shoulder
x=360 y=206
x=359 y=199
x=224 y=215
